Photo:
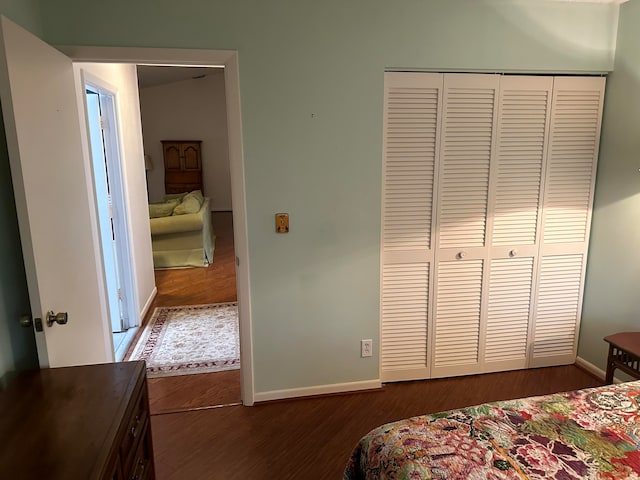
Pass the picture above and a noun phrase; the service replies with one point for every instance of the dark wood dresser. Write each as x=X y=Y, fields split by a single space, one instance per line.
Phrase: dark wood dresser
x=89 y=422
x=182 y=165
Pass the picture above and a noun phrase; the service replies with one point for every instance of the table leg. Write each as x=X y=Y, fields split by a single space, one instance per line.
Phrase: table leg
x=610 y=367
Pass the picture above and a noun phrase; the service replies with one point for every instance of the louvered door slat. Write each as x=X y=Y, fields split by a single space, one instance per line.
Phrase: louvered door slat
x=508 y=313
x=457 y=317
x=467 y=136
x=411 y=116
x=573 y=149
x=404 y=317
x=523 y=121
x=558 y=306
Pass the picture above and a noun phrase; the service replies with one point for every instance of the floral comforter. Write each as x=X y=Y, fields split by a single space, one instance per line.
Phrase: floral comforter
x=585 y=434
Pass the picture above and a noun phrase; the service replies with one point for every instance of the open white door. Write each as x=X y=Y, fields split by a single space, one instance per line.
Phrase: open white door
x=54 y=199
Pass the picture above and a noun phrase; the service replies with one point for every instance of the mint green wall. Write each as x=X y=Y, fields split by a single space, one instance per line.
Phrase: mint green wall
x=24 y=12
x=17 y=344
x=612 y=294
x=311 y=77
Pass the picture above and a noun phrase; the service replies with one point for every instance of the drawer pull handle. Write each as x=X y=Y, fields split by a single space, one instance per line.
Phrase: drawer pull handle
x=140 y=470
x=134 y=429
x=461 y=255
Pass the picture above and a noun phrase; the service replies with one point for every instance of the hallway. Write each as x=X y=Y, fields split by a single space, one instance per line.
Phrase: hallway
x=194 y=286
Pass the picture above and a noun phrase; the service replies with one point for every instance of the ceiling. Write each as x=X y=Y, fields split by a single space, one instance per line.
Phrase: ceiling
x=151 y=76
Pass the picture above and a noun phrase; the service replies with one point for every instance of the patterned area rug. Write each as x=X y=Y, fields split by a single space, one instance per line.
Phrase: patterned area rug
x=191 y=339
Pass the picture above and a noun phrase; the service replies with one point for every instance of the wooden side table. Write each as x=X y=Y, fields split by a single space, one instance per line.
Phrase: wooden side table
x=624 y=353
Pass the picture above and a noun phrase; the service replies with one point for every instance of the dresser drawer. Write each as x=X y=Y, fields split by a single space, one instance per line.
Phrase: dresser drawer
x=142 y=466
x=135 y=431
x=115 y=470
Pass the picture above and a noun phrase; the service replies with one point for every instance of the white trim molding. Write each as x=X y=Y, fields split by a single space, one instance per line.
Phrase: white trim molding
x=147 y=305
x=318 y=390
x=591 y=368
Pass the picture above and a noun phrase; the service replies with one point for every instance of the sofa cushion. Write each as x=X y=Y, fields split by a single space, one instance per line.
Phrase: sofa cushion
x=162 y=209
x=174 y=196
x=198 y=195
x=191 y=203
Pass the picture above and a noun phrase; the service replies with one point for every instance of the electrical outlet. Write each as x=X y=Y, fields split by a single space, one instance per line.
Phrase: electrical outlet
x=366 y=348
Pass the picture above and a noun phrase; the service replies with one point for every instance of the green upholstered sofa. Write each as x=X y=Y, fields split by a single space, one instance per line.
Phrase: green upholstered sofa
x=185 y=240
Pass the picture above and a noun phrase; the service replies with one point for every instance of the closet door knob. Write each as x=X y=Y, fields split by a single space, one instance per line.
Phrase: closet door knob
x=513 y=253
x=461 y=255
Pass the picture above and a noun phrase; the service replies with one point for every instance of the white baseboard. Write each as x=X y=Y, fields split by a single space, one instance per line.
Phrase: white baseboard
x=317 y=390
x=148 y=303
x=591 y=368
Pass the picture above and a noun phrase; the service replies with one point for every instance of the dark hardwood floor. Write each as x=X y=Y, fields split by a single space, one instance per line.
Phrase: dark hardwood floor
x=311 y=438
x=297 y=439
x=195 y=286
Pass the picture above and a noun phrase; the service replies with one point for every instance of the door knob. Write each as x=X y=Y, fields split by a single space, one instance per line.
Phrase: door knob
x=26 y=321
x=60 y=318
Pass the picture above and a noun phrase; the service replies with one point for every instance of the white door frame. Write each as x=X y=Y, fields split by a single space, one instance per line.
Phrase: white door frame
x=204 y=58
x=113 y=147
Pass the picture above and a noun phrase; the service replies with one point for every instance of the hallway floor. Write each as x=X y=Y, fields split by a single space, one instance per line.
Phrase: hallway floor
x=195 y=286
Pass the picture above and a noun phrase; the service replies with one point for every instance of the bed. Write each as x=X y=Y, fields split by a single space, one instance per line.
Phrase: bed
x=585 y=434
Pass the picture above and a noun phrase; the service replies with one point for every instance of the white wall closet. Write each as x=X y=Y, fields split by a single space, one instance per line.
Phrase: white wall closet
x=487 y=192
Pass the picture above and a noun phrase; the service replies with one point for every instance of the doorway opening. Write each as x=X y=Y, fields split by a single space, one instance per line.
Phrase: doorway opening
x=180 y=57
x=105 y=148
x=183 y=109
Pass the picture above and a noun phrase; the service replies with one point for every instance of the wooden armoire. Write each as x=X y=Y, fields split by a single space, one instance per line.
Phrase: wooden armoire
x=487 y=195
x=182 y=165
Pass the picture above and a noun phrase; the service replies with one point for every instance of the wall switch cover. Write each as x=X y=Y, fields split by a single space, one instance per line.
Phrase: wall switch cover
x=282 y=223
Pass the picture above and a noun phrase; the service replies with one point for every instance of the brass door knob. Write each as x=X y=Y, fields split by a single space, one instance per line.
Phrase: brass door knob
x=61 y=318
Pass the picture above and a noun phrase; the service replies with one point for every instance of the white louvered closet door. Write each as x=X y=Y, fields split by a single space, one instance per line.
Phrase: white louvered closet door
x=515 y=199
x=412 y=104
x=468 y=130
x=566 y=217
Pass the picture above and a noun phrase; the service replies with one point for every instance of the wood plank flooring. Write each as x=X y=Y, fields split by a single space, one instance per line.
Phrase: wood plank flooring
x=298 y=439
x=195 y=286
x=312 y=438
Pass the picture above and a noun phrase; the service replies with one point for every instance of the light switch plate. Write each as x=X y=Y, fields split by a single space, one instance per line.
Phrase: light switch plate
x=282 y=223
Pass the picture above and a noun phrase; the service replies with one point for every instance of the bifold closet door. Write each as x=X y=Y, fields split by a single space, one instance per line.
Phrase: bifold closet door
x=487 y=198
x=566 y=218
x=485 y=283
x=515 y=201
x=412 y=104
x=469 y=117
